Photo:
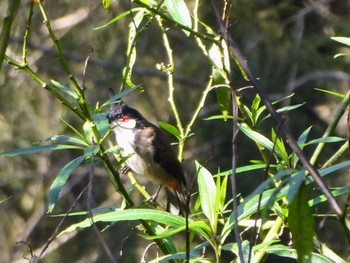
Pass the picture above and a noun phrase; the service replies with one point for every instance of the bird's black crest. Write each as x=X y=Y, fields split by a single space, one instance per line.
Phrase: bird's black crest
x=120 y=109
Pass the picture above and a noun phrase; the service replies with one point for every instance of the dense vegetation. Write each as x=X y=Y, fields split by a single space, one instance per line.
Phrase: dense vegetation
x=249 y=92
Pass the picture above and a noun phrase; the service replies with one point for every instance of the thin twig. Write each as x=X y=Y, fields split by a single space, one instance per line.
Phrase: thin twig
x=289 y=138
x=54 y=234
x=91 y=216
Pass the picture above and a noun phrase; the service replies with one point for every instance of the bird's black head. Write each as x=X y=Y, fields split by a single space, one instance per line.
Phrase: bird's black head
x=121 y=113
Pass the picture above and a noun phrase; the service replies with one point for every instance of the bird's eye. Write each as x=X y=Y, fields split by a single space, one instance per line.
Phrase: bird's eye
x=118 y=116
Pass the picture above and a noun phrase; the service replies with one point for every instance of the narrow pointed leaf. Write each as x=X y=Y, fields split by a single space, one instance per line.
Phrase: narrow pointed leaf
x=207 y=193
x=61 y=179
x=38 y=149
x=179 y=12
x=65 y=89
x=301 y=224
x=170 y=128
x=131 y=215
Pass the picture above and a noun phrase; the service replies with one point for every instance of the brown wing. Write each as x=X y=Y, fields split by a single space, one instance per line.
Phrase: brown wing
x=166 y=157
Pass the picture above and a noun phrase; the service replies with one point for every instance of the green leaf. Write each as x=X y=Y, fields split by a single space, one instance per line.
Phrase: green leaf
x=301 y=225
x=207 y=193
x=287 y=252
x=233 y=247
x=61 y=179
x=170 y=129
x=334 y=168
x=218 y=117
x=322 y=198
x=116 y=19
x=179 y=12
x=294 y=185
x=38 y=149
x=158 y=216
x=329 y=139
x=223 y=98
x=343 y=40
x=66 y=138
x=115 y=98
x=106 y=4
x=131 y=49
x=336 y=94
x=258 y=138
x=101 y=123
x=65 y=89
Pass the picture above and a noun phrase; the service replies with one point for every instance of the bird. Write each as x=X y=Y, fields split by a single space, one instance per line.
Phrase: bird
x=148 y=153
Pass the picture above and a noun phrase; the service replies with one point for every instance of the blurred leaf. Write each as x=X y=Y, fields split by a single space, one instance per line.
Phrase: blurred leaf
x=106 y=4
x=257 y=137
x=38 y=149
x=170 y=129
x=343 y=40
x=279 y=146
x=66 y=138
x=301 y=225
x=336 y=94
x=65 y=89
x=233 y=247
x=179 y=12
x=294 y=184
x=221 y=61
x=102 y=124
x=117 y=97
x=322 y=198
x=207 y=193
x=334 y=168
x=61 y=179
x=249 y=207
x=303 y=137
x=287 y=252
x=116 y=19
x=101 y=209
x=218 y=117
x=223 y=98
x=329 y=139
x=131 y=49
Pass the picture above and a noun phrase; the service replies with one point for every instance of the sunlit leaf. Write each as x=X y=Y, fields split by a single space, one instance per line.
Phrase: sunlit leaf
x=117 y=97
x=179 y=12
x=207 y=193
x=106 y=4
x=131 y=215
x=287 y=252
x=116 y=19
x=38 y=149
x=331 y=92
x=294 y=184
x=170 y=128
x=61 y=180
x=66 y=138
x=343 y=40
x=322 y=198
x=65 y=89
x=329 y=139
x=223 y=98
x=218 y=117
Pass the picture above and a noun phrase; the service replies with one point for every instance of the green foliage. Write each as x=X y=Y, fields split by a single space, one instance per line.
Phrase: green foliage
x=285 y=200
x=301 y=224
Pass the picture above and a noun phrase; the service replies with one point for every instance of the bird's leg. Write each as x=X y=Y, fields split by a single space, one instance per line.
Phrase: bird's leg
x=154 y=197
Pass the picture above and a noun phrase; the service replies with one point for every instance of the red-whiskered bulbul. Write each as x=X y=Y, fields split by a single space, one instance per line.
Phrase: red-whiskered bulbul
x=150 y=153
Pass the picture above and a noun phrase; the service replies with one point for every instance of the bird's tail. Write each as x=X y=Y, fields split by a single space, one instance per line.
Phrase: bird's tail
x=176 y=201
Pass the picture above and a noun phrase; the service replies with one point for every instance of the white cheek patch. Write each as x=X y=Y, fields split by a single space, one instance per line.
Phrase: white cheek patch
x=128 y=124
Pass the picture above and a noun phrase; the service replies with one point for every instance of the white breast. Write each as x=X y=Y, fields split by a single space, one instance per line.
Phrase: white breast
x=125 y=139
